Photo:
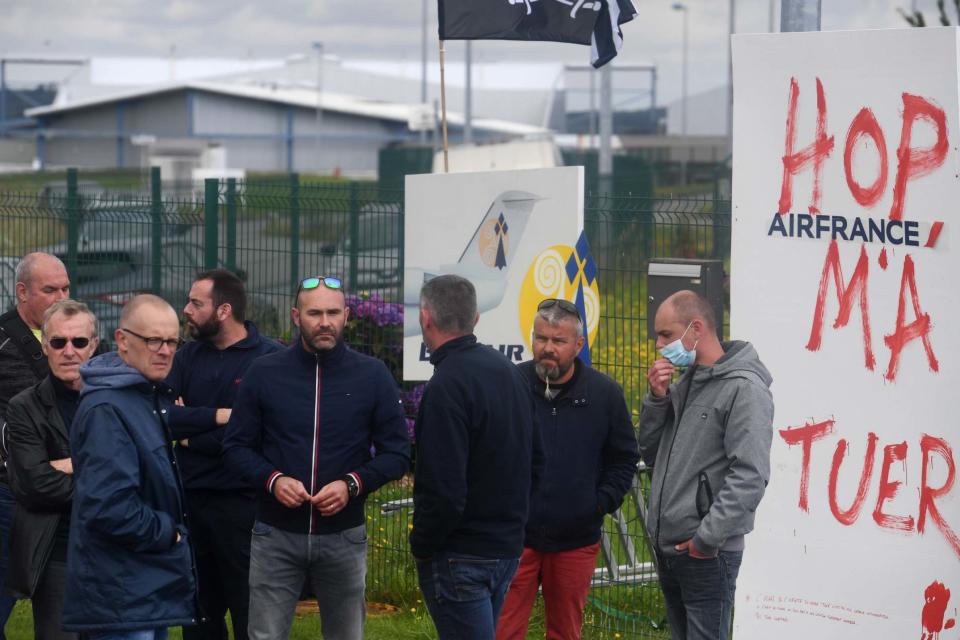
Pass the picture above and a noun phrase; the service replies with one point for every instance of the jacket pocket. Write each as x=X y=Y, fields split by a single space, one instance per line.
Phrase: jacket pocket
x=704 y=495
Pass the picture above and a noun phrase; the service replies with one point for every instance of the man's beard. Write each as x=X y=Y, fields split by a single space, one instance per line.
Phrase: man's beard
x=206 y=330
x=547 y=372
x=314 y=339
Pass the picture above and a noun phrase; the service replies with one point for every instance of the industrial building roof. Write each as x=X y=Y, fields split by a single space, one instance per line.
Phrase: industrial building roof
x=295 y=96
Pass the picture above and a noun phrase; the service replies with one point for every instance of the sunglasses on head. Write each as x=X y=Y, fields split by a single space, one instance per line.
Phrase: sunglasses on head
x=315 y=281
x=566 y=305
x=59 y=343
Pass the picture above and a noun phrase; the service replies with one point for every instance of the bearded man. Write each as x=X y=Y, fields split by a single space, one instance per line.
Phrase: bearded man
x=205 y=377
x=590 y=453
x=302 y=429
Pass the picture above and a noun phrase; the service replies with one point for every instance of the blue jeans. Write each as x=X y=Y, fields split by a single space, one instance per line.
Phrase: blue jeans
x=699 y=594
x=464 y=593
x=150 y=634
x=7 y=505
x=280 y=563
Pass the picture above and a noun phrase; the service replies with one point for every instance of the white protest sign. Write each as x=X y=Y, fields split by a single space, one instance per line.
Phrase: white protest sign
x=844 y=266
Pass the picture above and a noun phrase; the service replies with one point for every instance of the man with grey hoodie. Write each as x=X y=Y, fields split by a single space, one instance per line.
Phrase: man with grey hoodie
x=707 y=437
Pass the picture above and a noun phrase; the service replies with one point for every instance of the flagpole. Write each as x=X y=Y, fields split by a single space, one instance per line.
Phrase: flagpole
x=443 y=110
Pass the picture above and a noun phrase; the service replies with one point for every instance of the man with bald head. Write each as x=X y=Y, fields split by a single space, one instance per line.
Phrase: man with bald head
x=130 y=571
x=316 y=427
x=707 y=437
x=41 y=281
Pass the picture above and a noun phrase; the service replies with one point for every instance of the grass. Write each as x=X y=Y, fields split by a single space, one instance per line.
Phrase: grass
x=401 y=625
x=414 y=623
x=109 y=179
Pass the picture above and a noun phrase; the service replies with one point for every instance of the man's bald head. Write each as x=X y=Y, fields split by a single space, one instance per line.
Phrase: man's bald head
x=148 y=336
x=41 y=281
x=690 y=305
x=36 y=261
x=145 y=306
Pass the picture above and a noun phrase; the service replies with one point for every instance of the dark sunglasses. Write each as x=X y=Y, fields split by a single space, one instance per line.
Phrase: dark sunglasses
x=315 y=281
x=60 y=343
x=156 y=343
x=566 y=305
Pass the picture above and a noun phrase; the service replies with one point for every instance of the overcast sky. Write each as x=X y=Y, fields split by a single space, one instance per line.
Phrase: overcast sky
x=387 y=29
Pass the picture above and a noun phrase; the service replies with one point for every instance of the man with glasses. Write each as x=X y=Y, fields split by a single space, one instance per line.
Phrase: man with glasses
x=478 y=453
x=317 y=427
x=591 y=457
x=130 y=570
x=205 y=377
x=40 y=469
x=41 y=281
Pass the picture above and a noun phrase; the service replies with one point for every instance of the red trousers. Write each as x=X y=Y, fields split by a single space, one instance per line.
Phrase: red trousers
x=565 y=576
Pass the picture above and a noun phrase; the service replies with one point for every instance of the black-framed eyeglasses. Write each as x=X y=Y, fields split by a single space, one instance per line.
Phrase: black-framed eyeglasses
x=78 y=342
x=565 y=305
x=155 y=343
x=315 y=281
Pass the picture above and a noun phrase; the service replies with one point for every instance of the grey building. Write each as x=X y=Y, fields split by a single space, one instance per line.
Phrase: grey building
x=258 y=128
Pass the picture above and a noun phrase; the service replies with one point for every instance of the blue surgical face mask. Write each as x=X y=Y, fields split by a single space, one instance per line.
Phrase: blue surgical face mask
x=677 y=354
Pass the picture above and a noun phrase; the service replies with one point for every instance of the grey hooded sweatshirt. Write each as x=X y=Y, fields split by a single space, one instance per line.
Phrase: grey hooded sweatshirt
x=710 y=466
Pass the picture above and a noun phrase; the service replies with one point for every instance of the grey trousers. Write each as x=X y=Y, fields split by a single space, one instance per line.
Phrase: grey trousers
x=280 y=562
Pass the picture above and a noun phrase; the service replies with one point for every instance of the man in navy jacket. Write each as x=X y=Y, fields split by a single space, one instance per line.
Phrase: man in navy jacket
x=304 y=428
x=591 y=459
x=477 y=454
x=130 y=571
x=205 y=377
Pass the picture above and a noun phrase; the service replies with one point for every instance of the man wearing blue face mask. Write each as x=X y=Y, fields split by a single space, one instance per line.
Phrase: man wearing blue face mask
x=707 y=437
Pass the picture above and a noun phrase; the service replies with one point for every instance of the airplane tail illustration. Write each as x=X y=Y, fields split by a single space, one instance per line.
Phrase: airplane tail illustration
x=485 y=261
x=495 y=241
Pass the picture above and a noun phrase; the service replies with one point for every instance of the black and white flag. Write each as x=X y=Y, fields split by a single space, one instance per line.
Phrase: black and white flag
x=593 y=22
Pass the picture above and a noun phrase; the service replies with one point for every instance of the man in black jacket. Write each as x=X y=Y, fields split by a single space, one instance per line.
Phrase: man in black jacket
x=316 y=427
x=40 y=469
x=205 y=377
x=477 y=454
x=591 y=458
x=41 y=281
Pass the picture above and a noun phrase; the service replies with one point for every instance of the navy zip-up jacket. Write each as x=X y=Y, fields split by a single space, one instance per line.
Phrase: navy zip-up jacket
x=591 y=456
x=314 y=417
x=478 y=454
x=126 y=571
x=207 y=379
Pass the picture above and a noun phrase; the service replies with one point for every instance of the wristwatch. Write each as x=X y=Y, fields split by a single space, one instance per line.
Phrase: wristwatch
x=353 y=487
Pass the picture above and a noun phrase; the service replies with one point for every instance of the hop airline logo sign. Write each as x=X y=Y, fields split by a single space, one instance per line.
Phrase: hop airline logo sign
x=567 y=273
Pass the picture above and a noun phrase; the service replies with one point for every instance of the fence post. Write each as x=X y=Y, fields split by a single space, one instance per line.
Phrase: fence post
x=211 y=206
x=156 y=230
x=73 y=223
x=232 y=224
x=354 y=236
x=294 y=231
x=401 y=255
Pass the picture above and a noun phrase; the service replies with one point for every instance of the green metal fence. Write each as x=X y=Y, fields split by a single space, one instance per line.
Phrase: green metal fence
x=274 y=232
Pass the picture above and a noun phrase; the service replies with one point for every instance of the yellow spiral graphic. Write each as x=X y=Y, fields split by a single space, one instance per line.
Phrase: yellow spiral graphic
x=549 y=275
x=547 y=278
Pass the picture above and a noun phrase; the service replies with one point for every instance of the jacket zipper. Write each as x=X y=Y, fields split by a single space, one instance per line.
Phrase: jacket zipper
x=318 y=385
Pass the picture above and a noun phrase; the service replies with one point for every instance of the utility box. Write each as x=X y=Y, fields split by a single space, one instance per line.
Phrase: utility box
x=666 y=276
